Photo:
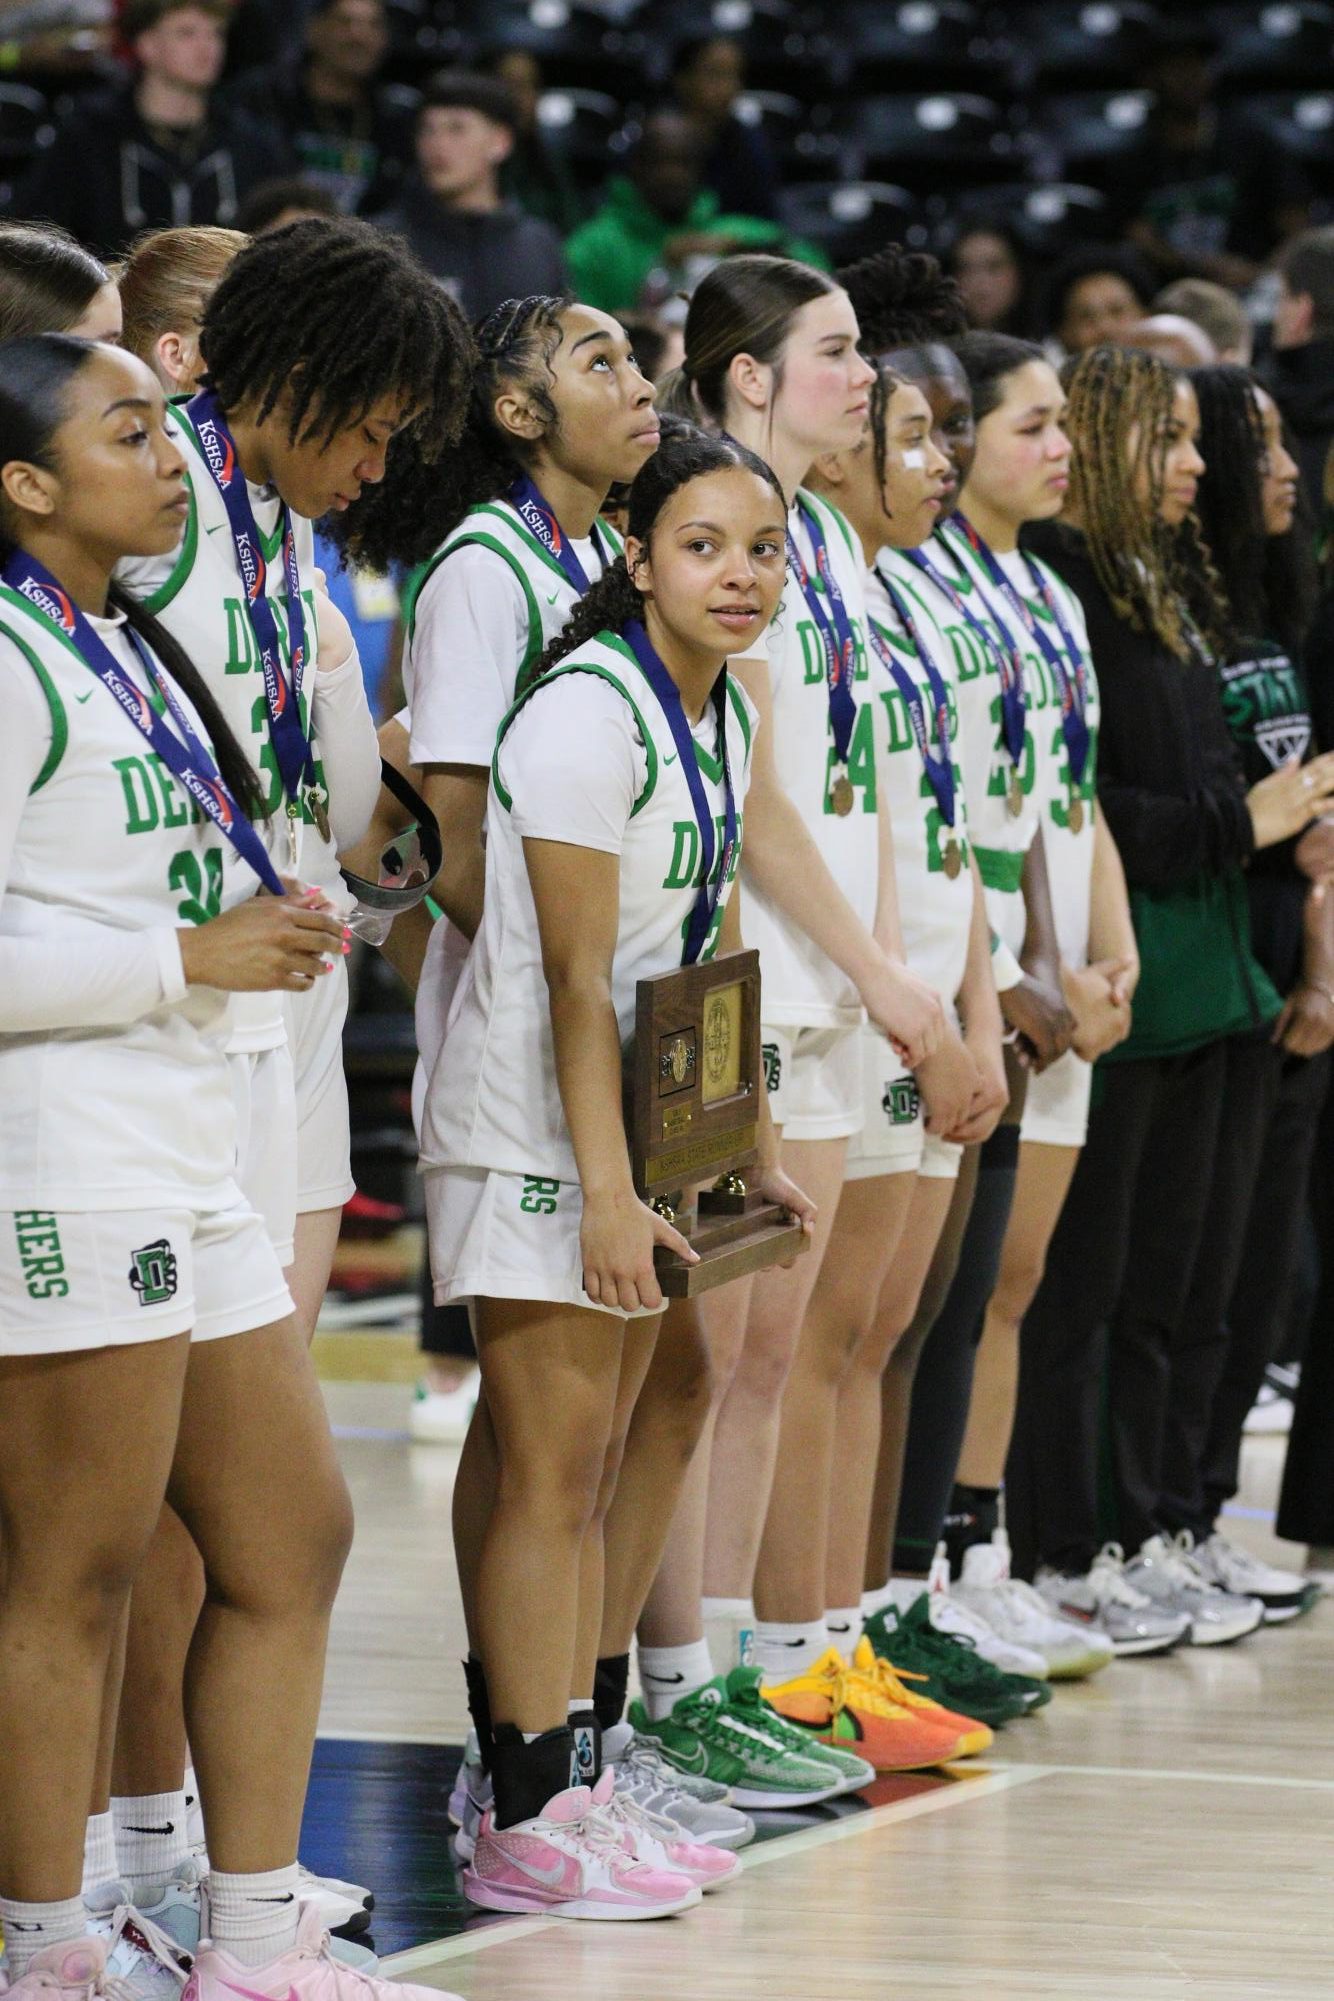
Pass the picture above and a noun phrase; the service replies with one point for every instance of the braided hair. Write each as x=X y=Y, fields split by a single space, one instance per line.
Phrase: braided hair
x=333 y=315
x=902 y=298
x=1269 y=579
x=516 y=343
x=1160 y=581
x=685 y=453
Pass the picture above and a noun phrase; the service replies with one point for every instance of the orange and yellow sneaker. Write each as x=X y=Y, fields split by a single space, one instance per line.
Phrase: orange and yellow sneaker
x=842 y=1708
x=897 y=1685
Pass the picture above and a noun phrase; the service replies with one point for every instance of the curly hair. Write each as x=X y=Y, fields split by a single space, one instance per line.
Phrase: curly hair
x=1270 y=580
x=1160 y=581
x=903 y=298
x=333 y=315
x=685 y=453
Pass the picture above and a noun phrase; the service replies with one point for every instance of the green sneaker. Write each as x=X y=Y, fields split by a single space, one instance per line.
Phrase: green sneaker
x=743 y=1691
x=710 y=1735
x=952 y=1670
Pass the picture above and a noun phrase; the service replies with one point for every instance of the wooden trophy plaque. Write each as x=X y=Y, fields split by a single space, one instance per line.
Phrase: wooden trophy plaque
x=693 y=1082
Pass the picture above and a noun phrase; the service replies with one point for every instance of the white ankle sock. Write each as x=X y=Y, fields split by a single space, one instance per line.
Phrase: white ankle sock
x=844 y=1627
x=99 y=1852
x=194 y=1813
x=254 y=1918
x=152 y=1838
x=876 y=1601
x=30 y=1928
x=728 y=1626
x=668 y=1673
x=782 y=1651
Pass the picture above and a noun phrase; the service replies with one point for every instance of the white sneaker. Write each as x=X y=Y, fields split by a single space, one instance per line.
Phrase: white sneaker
x=950 y=1614
x=658 y=1843
x=1283 y=1593
x=1270 y=1416
x=644 y=1775
x=442 y=1417
x=146 y=1959
x=1017 y=1613
x=1106 y=1598
x=1168 y=1573
x=343 y=1907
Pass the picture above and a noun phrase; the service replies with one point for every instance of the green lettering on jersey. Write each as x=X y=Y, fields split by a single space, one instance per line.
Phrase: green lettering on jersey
x=242 y=652
x=685 y=855
x=1087 y=786
x=938 y=834
x=539 y=1195
x=896 y=715
x=141 y=806
x=37 y=1237
x=202 y=885
x=812 y=653
x=861 y=761
x=999 y=782
x=176 y=812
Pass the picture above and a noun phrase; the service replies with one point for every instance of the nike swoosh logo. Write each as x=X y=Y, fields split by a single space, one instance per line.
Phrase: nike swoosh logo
x=553 y=597
x=250 y=1994
x=288 y=1899
x=170 y=1828
x=696 y=1760
x=81 y=699
x=671 y=759
x=551 y=1874
x=667 y=1680
x=216 y=529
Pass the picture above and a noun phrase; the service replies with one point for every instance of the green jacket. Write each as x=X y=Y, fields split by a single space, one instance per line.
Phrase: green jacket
x=609 y=258
x=1200 y=979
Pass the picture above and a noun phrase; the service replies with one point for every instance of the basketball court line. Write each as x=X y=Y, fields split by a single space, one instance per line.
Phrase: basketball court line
x=1002 y=1779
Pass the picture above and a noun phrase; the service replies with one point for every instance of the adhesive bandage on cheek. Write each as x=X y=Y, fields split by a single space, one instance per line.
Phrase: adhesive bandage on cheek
x=914 y=460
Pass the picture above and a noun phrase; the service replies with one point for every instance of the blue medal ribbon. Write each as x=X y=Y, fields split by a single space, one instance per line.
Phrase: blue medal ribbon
x=185 y=756
x=939 y=770
x=712 y=882
x=1009 y=663
x=538 y=519
x=1066 y=661
x=834 y=626
x=291 y=746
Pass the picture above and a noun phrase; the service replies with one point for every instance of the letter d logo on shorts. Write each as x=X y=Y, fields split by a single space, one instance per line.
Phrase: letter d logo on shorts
x=152 y=1273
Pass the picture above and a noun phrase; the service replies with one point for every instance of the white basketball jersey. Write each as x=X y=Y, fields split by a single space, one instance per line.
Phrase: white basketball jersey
x=492 y=1099
x=134 y=1116
x=1067 y=806
x=934 y=880
x=801 y=986
x=198 y=596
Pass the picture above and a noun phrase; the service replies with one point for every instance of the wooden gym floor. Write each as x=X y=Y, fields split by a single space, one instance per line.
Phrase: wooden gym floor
x=1163 y=1831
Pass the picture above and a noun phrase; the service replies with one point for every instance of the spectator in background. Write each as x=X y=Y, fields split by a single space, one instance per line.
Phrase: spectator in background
x=1174 y=339
x=708 y=76
x=1095 y=296
x=1301 y=371
x=350 y=134
x=535 y=175
x=273 y=204
x=1193 y=200
x=988 y=264
x=659 y=223
x=1219 y=312
x=160 y=150
x=482 y=248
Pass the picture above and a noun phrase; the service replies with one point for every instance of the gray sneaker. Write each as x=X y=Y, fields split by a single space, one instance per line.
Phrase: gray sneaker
x=699 y=1807
x=1168 y=1573
x=1106 y=1598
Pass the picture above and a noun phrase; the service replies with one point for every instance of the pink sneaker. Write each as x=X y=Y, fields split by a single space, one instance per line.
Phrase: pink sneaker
x=653 y=1839
x=72 y=1971
x=307 y=1973
x=573 y=1862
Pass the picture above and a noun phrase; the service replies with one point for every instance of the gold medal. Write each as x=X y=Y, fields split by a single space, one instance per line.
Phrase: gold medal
x=318 y=813
x=1014 y=797
x=294 y=835
x=841 y=796
x=1076 y=816
x=953 y=858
